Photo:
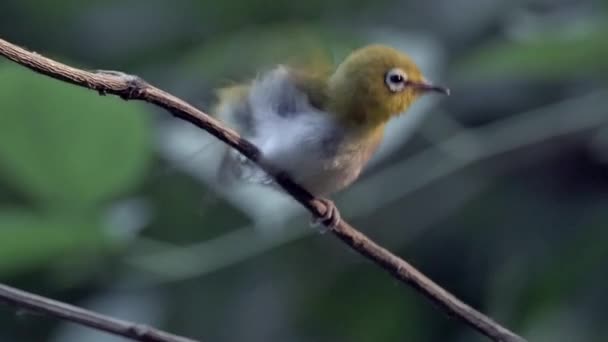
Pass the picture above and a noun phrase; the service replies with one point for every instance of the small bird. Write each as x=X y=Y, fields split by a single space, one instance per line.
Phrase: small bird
x=320 y=127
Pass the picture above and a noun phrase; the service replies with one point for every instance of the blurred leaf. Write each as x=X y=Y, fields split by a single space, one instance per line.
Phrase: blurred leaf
x=48 y=12
x=551 y=56
x=28 y=241
x=66 y=145
x=368 y=309
x=240 y=55
x=533 y=284
x=579 y=261
x=229 y=15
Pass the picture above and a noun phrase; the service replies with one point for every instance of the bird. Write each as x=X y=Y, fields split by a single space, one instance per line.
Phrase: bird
x=320 y=126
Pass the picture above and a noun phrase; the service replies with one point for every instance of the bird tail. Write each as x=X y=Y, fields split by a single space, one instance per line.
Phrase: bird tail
x=234 y=109
x=235 y=167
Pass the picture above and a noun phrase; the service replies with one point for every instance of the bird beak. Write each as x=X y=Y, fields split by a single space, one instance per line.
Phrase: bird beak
x=426 y=86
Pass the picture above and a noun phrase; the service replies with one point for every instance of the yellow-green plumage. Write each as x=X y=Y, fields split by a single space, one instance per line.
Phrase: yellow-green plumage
x=320 y=125
x=358 y=91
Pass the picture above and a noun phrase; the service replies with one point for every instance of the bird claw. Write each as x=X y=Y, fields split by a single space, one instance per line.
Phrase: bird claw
x=330 y=219
x=134 y=83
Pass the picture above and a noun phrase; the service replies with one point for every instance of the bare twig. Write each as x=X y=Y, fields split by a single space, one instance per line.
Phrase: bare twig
x=133 y=88
x=137 y=332
x=524 y=130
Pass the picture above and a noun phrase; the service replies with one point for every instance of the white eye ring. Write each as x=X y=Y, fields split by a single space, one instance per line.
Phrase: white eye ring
x=395 y=80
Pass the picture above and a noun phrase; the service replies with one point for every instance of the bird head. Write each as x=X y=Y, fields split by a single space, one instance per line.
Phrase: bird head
x=376 y=83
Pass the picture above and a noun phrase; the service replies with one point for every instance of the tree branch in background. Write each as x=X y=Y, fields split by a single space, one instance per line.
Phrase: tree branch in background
x=131 y=87
x=137 y=332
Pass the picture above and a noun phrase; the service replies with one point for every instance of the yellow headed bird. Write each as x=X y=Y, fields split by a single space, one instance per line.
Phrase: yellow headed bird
x=320 y=128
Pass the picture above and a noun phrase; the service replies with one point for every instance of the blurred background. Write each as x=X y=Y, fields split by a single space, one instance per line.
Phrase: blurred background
x=499 y=192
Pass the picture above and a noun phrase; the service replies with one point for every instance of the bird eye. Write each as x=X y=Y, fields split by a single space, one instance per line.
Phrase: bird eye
x=395 y=79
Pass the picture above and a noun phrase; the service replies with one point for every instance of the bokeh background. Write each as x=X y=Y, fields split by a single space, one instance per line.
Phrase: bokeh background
x=498 y=192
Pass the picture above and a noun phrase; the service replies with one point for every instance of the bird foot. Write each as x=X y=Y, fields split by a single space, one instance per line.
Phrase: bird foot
x=330 y=219
x=135 y=84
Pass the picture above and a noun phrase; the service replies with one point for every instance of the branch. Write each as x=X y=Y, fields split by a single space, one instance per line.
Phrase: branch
x=131 y=87
x=523 y=130
x=137 y=332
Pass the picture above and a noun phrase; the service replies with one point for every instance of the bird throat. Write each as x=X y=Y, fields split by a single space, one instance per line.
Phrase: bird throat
x=357 y=113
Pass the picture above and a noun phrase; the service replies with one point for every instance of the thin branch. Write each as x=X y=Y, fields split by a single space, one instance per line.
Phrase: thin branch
x=131 y=87
x=134 y=331
x=525 y=130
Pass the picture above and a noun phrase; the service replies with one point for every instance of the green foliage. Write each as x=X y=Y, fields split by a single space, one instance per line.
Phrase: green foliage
x=53 y=11
x=580 y=259
x=548 y=56
x=68 y=150
x=29 y=241
x=66 y=146
x=237 y=14
x=367 y=311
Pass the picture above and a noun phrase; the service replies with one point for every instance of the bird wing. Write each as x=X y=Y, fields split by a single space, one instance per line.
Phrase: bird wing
x=266 y=109
x=233 y=108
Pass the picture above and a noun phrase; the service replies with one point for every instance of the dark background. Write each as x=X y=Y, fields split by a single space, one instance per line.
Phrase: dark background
x=499 y=192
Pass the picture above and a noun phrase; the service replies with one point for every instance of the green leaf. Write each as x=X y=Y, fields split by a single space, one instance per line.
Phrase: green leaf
x=548 y=56
x=370 y=307
x=573 y=271
x=234 y=15
x=62 y=144
x=28 y=241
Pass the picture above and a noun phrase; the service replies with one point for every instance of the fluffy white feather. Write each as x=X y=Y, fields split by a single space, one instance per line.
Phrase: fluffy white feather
x=306 y=142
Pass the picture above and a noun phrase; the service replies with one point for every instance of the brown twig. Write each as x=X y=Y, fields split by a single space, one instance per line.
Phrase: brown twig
x=131 y=87
x=137 y=332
